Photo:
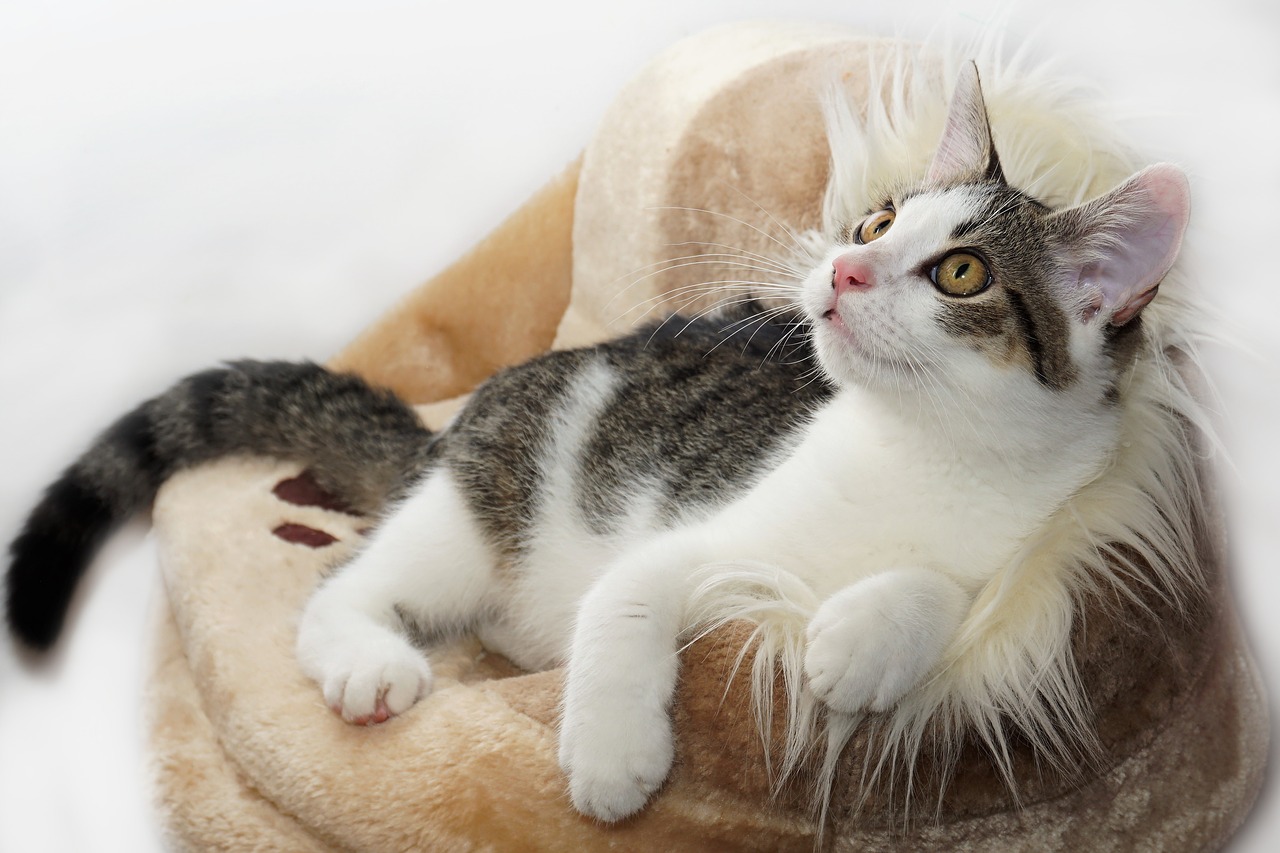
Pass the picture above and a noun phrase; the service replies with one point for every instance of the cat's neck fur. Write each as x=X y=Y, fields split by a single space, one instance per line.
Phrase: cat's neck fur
x=1014 y=470
x=1073 y=429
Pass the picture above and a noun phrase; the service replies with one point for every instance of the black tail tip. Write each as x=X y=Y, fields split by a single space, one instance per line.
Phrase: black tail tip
x=38 y=596
x=50 y=556
x=33 y=633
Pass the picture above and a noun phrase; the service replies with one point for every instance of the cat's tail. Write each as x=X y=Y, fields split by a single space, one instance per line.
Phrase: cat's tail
x=360 y=443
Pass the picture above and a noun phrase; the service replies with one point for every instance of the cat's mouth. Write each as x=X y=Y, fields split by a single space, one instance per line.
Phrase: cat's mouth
x=840 y=330
x=862 y=347
x=836 y=320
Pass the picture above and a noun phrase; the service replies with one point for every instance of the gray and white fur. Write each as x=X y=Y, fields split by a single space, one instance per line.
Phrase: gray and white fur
x=961 y=420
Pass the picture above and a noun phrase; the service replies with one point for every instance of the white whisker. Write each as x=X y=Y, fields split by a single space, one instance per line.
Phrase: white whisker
x=741 y=222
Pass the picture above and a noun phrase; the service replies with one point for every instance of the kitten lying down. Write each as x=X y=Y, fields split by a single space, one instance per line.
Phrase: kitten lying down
x=905 y=471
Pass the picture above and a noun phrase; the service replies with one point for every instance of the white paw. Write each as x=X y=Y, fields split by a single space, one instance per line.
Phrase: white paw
x=368 y=673
x=615 y=758
x=875 y=640
x=377 y=681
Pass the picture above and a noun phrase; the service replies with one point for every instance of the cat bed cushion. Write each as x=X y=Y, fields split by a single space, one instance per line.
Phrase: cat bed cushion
x=248 y=756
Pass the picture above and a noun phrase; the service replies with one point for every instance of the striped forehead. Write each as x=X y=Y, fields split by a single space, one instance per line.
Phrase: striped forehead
x=928 y=220
x=1020 y=320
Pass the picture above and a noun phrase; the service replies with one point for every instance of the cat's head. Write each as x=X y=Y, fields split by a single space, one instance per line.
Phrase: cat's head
x=964 y=284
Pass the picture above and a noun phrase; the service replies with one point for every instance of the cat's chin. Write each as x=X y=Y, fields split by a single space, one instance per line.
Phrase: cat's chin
x=841 y=357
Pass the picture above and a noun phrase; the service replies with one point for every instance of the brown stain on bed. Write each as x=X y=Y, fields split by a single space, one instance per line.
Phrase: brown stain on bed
x=300 y=534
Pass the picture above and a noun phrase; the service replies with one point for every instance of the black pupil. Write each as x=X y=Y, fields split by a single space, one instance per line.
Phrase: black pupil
x=881 y=225
x=962 y=270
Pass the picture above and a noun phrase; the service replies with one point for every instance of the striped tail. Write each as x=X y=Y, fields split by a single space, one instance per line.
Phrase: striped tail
x=361 y=443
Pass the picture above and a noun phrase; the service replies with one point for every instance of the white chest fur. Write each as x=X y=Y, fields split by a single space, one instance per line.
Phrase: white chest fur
x=867 y=490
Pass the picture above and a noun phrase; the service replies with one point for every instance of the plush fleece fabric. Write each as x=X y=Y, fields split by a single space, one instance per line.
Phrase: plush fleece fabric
x=249 y=757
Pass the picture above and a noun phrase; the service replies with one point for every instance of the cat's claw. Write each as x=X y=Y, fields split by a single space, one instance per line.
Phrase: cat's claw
x=368 y=674
x=374 y=683
x=615 y=762
x=873 y=641
x=381 y=713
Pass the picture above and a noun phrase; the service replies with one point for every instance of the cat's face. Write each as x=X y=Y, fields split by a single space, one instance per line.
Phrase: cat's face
x=956 y=281
x=967 y=286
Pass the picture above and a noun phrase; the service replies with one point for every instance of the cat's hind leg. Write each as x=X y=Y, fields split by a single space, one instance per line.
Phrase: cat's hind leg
x=428 y=561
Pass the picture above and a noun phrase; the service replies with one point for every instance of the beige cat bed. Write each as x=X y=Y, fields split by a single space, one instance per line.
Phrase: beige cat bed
x=248 y=755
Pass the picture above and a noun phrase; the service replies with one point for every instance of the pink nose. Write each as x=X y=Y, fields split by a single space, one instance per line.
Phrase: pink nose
x=848 y=273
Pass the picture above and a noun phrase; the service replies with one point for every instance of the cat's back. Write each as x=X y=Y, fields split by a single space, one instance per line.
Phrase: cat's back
x=679 y=415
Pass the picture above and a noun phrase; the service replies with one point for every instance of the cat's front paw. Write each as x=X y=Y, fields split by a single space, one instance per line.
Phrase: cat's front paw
x=874 y=640
x=615 y=758
x=374 y=683
x=368 y=673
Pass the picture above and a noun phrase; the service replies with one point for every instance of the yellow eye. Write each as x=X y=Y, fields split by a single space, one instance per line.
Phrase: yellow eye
x=961 y=274
x=875 y=226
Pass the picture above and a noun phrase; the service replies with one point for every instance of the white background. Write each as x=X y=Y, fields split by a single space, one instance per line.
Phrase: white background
x=191 y=180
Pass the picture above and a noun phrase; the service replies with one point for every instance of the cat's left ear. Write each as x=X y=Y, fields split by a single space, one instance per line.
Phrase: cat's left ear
x=966 y=151
x=1123 y=243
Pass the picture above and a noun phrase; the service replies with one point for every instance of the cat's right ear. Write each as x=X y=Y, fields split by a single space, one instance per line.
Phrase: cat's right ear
x=966 y=150
x=1123 y=243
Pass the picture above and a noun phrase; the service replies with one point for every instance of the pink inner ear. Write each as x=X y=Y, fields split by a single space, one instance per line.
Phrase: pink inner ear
x=1133 y=268
x=1144 y=220
x=965 y=146
x=1131 y=308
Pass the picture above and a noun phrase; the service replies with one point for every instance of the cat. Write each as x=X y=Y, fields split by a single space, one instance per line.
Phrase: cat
x=912 y=450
